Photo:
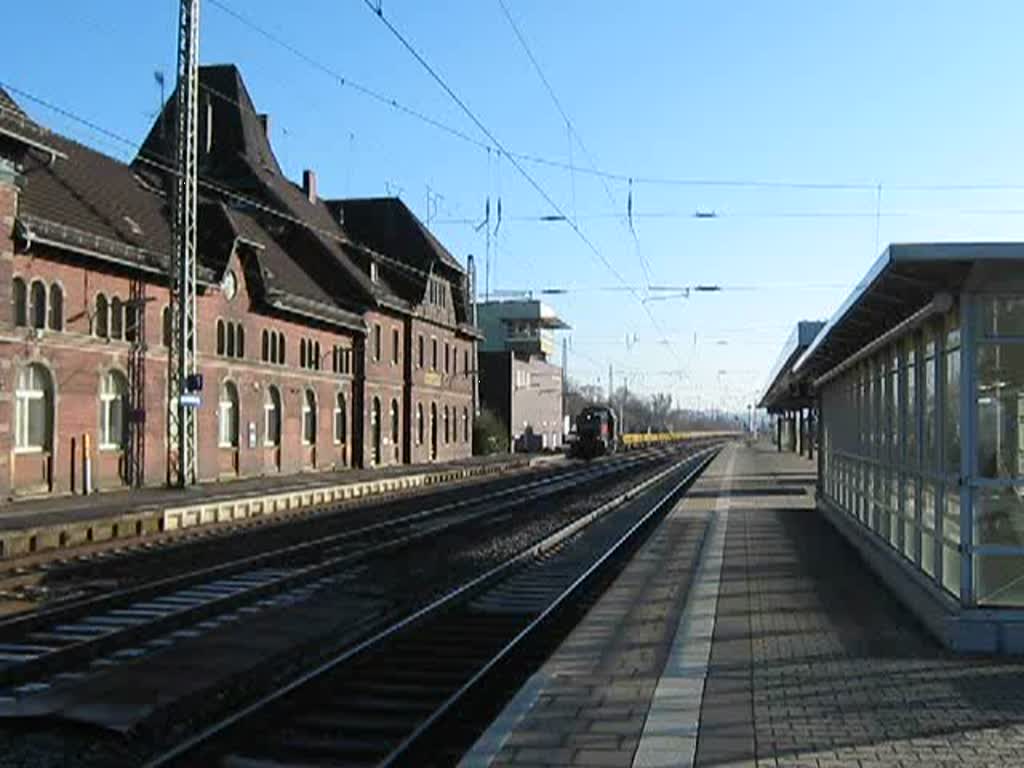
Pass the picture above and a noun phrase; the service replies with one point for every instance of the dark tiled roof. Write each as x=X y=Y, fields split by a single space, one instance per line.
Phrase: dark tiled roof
x=241 y=158
x=25 y=132
x=92 y=193
x=326 y=256
x=387 y=226
x=286 y=284
x=233 y=139
x=9 y=105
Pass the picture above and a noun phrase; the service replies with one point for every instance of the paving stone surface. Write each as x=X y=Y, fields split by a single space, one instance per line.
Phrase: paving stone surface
x=815 y=664
x=590 y=700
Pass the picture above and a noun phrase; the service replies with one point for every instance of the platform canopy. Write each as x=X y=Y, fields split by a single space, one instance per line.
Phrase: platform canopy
x=784 y=390
x=903 y=281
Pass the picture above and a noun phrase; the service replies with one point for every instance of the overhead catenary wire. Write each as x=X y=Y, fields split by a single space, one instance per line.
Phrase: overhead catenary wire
x=513 y=161
x=755 y=214
x=597 y=172
x=162 y=164
x=573 y=133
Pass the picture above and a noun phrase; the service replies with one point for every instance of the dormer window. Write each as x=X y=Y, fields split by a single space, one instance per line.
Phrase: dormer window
x=374 y=272
x=437 y=293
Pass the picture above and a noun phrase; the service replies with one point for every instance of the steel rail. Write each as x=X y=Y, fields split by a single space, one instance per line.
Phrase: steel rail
x=46 y=663
x=625 y=539
x=473 y=586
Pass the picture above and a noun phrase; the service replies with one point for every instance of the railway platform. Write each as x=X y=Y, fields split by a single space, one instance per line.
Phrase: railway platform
x=748 y=632
x=35 y=525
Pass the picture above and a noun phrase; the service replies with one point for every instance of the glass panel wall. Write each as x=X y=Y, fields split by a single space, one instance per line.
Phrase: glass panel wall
x=999 y=499
x=893 y=431
x=951 y=456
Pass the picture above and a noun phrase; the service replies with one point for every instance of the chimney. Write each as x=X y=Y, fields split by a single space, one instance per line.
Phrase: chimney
x=265 y=124
x=309 y=184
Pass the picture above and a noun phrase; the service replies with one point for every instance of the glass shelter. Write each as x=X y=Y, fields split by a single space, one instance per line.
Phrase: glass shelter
x=919 y=386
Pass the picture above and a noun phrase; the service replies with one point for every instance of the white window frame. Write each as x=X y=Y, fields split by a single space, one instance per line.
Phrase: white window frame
x=306 y=411
x=224 y=409
x=107 y=398
x=269 y=408
x=22 y=398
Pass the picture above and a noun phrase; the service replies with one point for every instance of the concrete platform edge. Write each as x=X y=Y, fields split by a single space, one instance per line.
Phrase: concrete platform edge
x=157 y=518
x=669 y=737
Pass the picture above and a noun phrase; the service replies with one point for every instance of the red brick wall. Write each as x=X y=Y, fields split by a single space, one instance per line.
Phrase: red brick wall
x=385 y=380
x=77 y=360
x=429 y=387
x=8 y=211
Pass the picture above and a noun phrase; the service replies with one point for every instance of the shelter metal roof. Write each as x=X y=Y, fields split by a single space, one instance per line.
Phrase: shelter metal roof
x=900 y=282
x=784 y=390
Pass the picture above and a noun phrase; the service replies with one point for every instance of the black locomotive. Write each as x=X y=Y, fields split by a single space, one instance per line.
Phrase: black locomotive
x=596 y=432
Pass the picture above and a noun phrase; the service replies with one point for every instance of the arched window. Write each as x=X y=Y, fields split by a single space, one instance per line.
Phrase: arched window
x=102 y=321
x=229 y=339
x=394 y=422
x=433 y=430
x=282 y=355
x=116 y=319
x=240 y=341
x=228 y=415
x=465 y=362
x=265 y=346
x=37 y=308
x=316 y=356
x=220 y=337
x=340 y=419
x=419 y=351
x=302 y=353
x=19 y=300
x=447 y=431
x=113 y=410
x=131 y=321
x=56 y=308
x=271 y=416
x=465 y=425
x=166 y=326
x=33 y=412
x=309 y=418
x=375 y=429
x=419 y=424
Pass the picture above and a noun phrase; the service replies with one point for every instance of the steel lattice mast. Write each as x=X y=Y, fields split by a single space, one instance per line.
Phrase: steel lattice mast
x=181 y=417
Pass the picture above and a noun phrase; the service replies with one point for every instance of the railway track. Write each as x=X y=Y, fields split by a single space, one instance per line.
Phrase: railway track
x=418 y=691
x=39 y=649
x=54 y=575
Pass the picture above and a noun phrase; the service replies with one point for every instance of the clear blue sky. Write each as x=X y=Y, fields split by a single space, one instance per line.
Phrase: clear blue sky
x=866 y=92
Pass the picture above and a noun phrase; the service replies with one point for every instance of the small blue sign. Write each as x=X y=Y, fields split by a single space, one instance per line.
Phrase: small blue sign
x=189 y=400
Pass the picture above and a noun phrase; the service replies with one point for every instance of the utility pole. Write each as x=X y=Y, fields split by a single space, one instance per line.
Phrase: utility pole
x=471 y=276
x=565 y=383
x=625 y=399
x=184 y=383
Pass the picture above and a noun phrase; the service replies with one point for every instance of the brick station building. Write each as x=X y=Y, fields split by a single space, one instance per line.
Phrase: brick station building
x=332 y=333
